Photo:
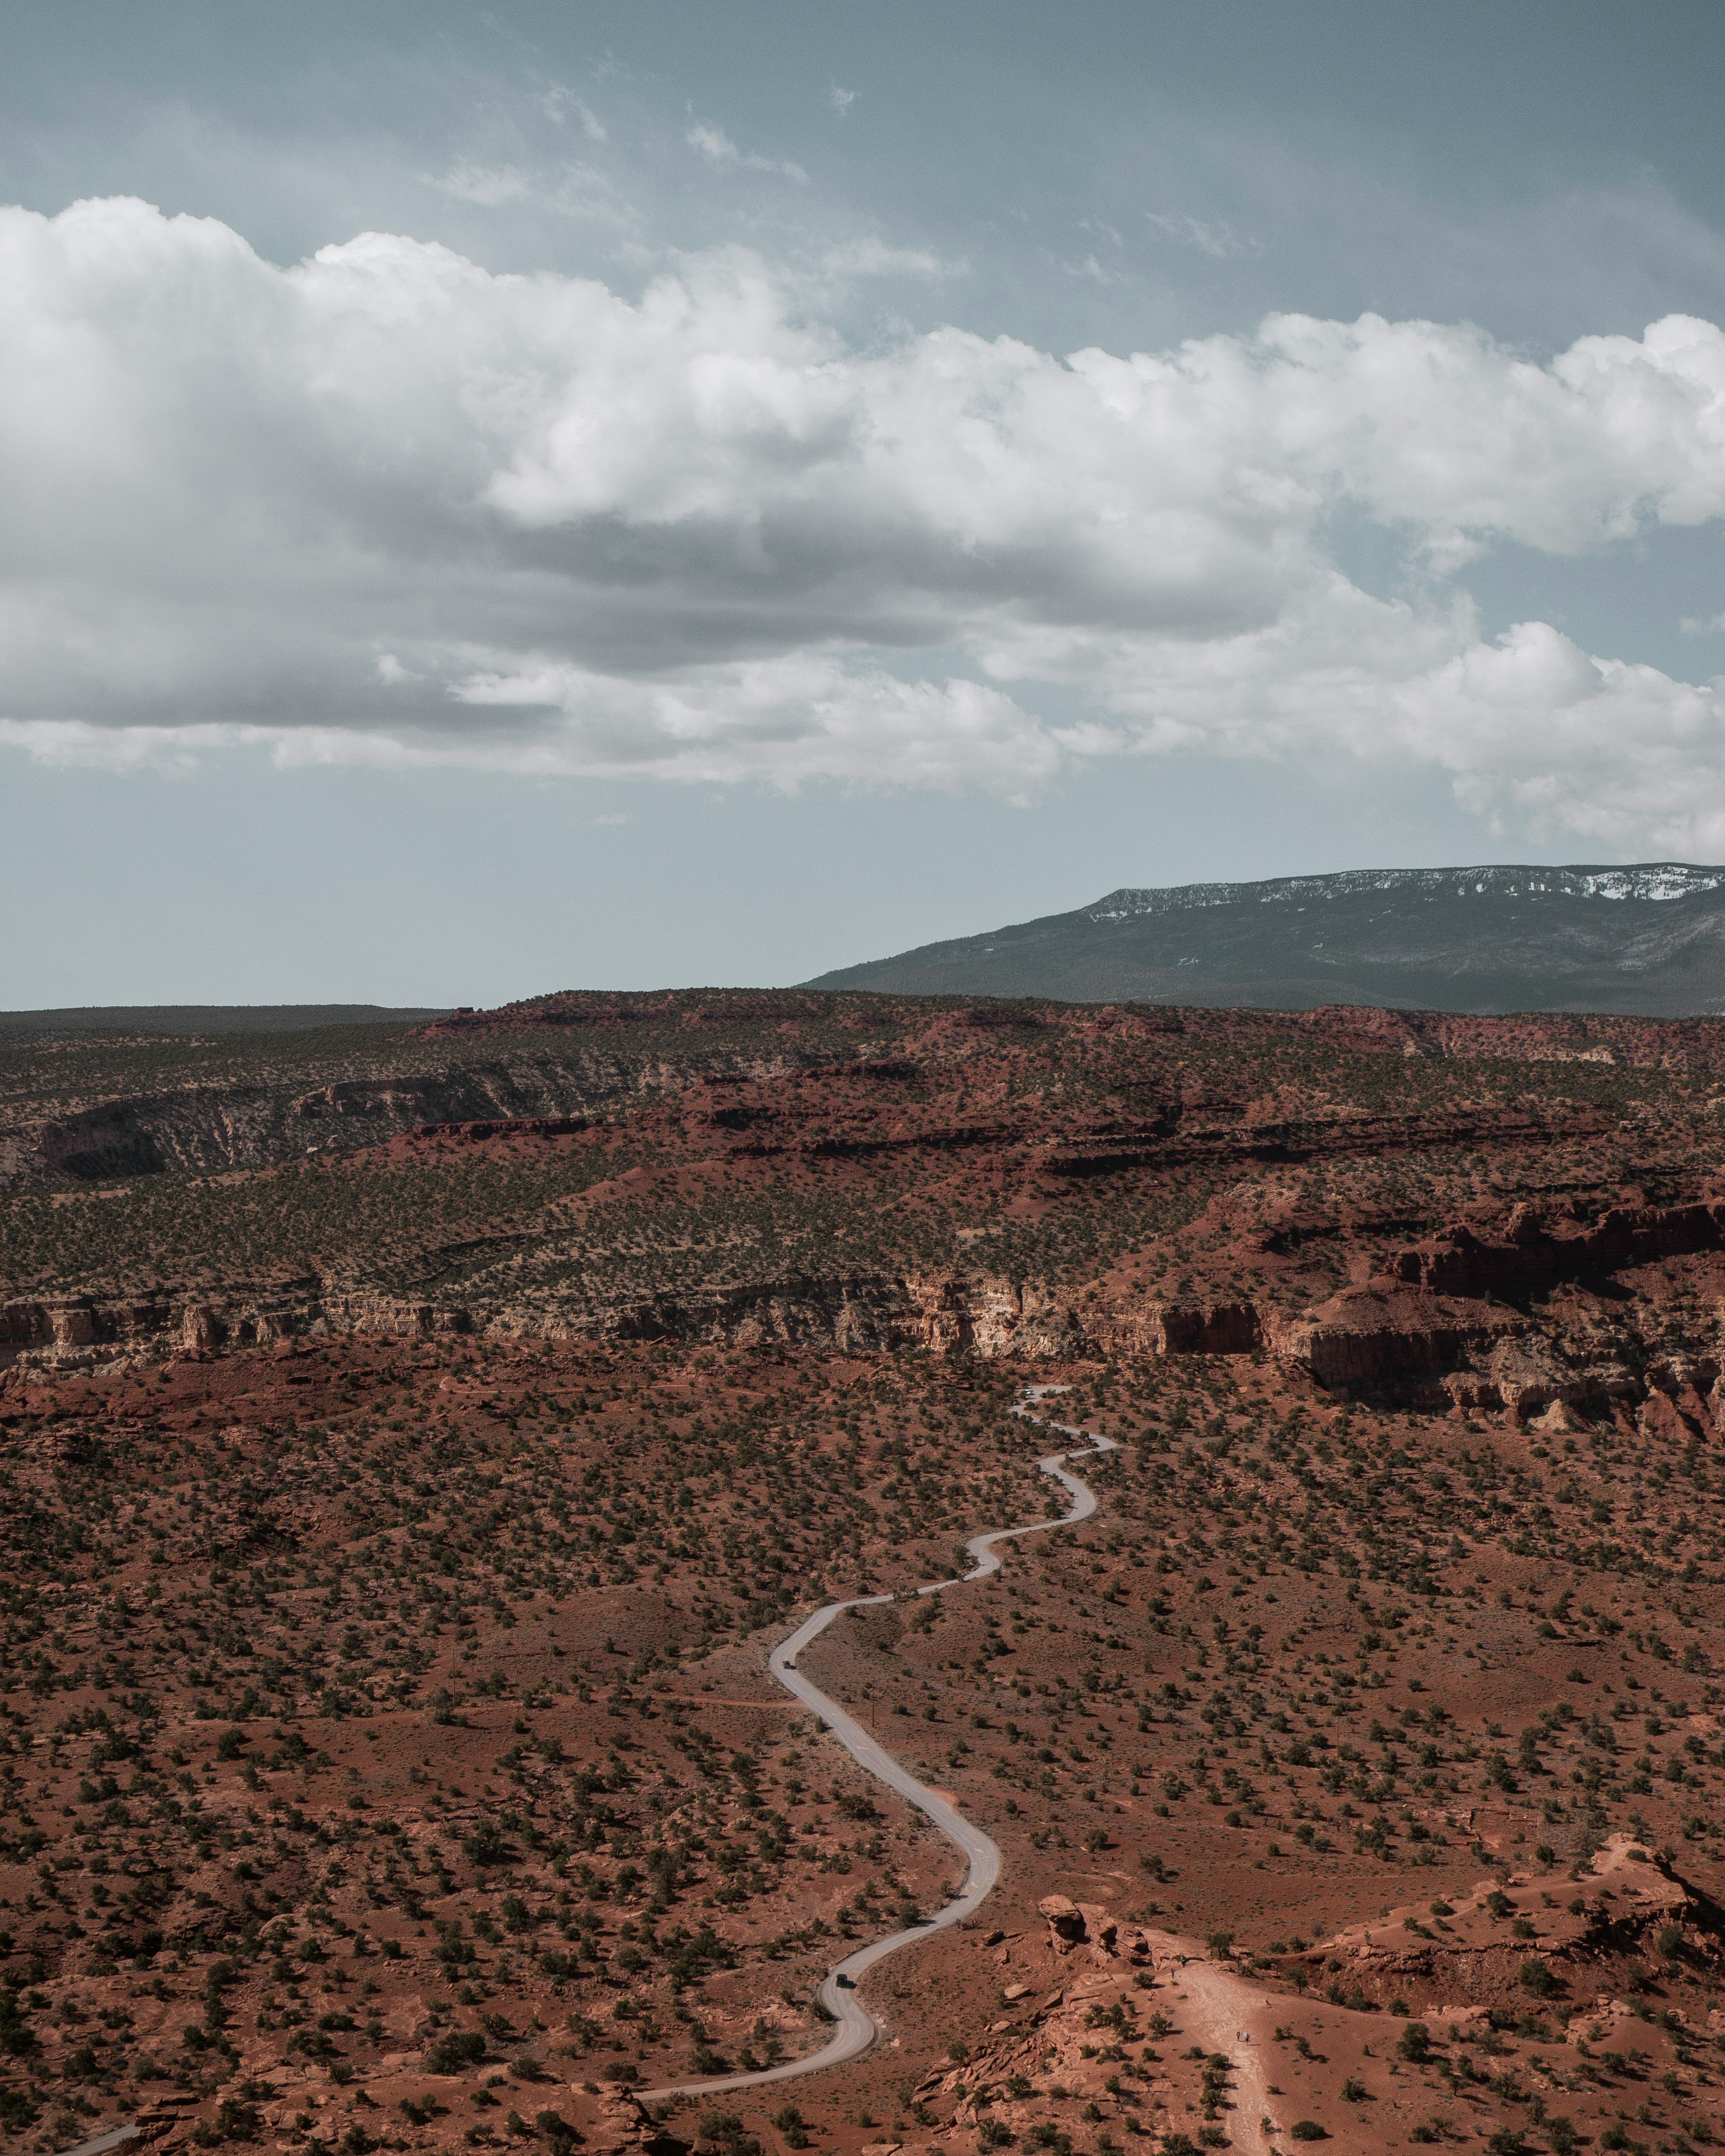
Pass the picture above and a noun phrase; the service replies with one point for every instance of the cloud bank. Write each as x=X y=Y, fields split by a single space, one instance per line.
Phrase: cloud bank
x=388 y=507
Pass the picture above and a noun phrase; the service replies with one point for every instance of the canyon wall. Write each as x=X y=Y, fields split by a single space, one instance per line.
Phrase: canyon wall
x=1436 y=1326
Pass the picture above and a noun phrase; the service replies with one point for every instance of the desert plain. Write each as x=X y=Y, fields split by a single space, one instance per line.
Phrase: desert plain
x=415 y=1442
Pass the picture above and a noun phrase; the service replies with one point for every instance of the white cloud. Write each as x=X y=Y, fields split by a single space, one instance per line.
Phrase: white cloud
x=490 y=186
x=875 y=258
x=566 y=190
x=716 y=146
x=780 y=722
x=841 y=101
x=386 y=508
x=1210 y=236
x=561 y=105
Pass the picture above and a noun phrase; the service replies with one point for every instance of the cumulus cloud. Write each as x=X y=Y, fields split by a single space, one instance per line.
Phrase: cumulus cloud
x=387 y=508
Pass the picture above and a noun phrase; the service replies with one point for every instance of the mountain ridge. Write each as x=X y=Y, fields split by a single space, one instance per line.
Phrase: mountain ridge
x=1657 y=882
x=1643 y=939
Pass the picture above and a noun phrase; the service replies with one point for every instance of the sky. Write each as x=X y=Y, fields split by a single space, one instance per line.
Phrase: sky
x=506 y=498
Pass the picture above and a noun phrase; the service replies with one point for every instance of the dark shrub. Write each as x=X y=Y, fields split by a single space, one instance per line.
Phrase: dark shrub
x=454 y=2051
x=485 y=1845
x=16 y=2112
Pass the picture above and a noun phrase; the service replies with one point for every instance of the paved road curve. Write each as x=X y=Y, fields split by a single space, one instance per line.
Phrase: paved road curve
x=855 y=2030
x=100 y=2143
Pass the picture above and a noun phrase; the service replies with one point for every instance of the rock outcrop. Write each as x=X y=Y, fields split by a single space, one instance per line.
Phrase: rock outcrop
x=45 y=1336
x=1074 y=1924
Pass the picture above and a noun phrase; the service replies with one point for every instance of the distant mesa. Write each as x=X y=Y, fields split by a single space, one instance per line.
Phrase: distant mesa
x=1647 y=941
x=177 y=1021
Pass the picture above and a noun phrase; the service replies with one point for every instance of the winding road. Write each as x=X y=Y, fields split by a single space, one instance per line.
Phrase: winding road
x=855 y=2029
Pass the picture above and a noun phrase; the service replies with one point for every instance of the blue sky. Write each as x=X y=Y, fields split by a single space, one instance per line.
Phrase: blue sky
x=527 y=496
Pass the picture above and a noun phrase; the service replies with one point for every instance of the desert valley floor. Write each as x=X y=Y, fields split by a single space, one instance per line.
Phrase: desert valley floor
x=414 y=1445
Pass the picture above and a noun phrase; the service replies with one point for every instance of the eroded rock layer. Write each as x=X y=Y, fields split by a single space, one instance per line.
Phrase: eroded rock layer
x=1521 y=1213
